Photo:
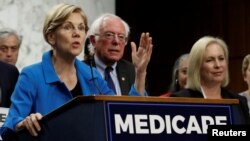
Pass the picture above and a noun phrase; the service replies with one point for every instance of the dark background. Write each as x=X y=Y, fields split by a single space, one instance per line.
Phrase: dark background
x=176 y=24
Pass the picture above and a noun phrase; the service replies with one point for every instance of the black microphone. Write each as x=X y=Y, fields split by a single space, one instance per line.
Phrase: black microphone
x=89 y=59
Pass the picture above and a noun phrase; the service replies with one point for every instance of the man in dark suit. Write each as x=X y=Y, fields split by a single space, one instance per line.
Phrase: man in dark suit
x=108 y=37
x=8 y=78
x=125 y=74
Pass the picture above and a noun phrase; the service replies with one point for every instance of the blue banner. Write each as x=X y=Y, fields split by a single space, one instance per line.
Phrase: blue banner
x=130 y=121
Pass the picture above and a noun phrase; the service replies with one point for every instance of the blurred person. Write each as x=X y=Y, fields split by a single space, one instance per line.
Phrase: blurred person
x=208 y=74
x=60 y=76
x=179 y=75
x=108 y=36
x=10 y=43
x=246 y=76
x=9 y=75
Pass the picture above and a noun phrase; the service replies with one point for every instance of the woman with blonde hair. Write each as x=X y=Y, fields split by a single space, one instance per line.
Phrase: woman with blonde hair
x=60 y=76
x=208 y=74
x=246 y=76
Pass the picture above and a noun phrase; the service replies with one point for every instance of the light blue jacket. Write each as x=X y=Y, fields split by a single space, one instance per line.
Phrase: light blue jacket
x=40 y=90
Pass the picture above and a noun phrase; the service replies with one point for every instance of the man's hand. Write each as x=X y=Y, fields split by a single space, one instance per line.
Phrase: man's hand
x=141 y=58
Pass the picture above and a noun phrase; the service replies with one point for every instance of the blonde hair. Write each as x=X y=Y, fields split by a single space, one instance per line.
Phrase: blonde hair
x=196 y=58
x=58 y=14
x=245 y=64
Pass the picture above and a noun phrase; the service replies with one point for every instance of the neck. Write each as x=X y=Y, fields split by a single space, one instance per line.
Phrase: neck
x=211 y=92
x=63 y=66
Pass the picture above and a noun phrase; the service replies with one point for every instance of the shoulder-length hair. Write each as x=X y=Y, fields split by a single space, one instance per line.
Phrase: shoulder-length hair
x=196 y=58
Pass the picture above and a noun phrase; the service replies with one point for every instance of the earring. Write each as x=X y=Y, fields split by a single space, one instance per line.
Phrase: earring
x=176 y=81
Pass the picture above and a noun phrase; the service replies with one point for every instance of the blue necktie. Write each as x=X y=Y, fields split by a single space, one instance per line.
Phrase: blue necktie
x=108 y=78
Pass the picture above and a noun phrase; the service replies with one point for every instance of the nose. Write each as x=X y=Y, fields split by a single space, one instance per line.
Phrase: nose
x=9 y=52
x=217 y=63
x=76 y=32
x=116 y=38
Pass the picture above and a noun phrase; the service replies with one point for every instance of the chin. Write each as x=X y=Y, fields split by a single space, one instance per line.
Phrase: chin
x=114 y=59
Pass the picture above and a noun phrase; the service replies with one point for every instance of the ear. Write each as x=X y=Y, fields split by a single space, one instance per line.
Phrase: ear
x=52 y=38
x=92 y=39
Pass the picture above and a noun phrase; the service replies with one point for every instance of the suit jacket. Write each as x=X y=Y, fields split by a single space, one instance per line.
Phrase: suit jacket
x=242 y=108
x=125 y=73
x=8 y=78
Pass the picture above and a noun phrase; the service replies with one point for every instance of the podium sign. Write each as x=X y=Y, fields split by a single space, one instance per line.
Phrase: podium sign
x=129 y=118
x=164 y=121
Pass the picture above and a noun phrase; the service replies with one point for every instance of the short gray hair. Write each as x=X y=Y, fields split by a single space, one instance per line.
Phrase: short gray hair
x=96 y=26
x=6 y=32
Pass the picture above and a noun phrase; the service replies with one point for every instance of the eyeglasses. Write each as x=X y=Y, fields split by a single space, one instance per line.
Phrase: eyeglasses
x=111 y=36
x=69 y=27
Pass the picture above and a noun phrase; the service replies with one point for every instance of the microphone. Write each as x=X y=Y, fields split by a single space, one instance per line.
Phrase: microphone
x=89 y=58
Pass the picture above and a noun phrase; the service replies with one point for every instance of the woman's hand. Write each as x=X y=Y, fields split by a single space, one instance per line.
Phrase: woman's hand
x=31 y=123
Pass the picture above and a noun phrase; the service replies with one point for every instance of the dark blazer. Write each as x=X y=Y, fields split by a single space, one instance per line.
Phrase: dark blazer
x=243 y=107
x=125 y=73
x=8 y=78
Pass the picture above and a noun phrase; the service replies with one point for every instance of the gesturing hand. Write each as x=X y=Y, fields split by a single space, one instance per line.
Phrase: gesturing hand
x=141 y=57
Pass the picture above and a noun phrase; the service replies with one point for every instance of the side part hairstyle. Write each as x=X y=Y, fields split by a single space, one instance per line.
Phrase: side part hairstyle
x=196 y=58
x=57 y=15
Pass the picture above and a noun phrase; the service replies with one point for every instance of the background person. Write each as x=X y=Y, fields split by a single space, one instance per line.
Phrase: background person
x=9 y=75
x=246 y=76
x=179 y=75
x=208 y=74
x=108 y=36
x=10 y=43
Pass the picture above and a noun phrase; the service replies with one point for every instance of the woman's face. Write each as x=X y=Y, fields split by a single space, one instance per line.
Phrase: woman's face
x=214 y=65
x=182 y=72
x=69 y=37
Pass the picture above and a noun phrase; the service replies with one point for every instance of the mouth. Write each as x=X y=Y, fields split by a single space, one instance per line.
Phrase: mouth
x=76 y=44
x=113 y=50
x=8 y=60
x=218 y=73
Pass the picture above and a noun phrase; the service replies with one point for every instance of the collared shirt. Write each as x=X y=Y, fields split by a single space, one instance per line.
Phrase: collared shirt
x=101 y=68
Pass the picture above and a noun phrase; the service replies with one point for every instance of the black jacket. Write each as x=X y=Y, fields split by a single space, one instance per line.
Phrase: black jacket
x=8 y=78
x=125 y=73
x=243 y=108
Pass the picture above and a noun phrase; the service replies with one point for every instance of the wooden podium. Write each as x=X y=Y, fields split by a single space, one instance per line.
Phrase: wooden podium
x=123 y=118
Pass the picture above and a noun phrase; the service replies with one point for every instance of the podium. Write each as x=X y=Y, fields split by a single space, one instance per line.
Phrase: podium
x=123 y=118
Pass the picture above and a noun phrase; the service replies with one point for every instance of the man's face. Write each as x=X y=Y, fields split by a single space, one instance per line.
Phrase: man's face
x=111 y=41
x=9 y=48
